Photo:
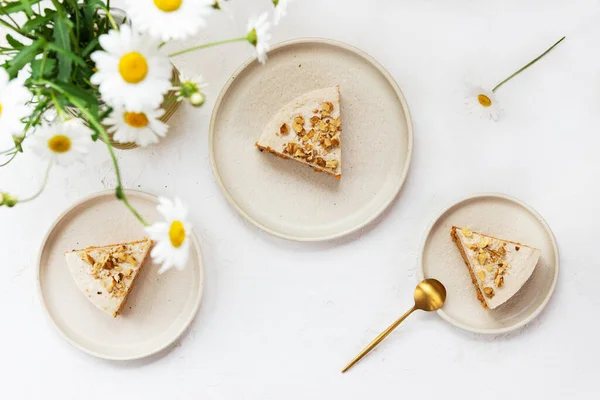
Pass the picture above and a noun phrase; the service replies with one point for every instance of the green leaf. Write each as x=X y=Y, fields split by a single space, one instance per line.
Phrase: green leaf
x=14 y=42
x=62 y=39
x=36 y=68
x=27 y=7
x=75 y=91
x=10 y=7
x=38 y=21
x=25 y=56
x=90 y=46
x=74 y=57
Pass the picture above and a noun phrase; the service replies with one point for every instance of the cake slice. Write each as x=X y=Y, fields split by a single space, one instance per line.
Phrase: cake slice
x=309 y=130
x=106 y=274
x=498 y=268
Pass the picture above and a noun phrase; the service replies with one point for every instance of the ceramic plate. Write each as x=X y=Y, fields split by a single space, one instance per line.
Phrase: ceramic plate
x=504 y=217
x=159 y=308
x=286 y=198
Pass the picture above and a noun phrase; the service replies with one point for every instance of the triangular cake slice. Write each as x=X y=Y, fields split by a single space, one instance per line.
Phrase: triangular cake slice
x=106 y=274
x=309 y=130
x=498 y=268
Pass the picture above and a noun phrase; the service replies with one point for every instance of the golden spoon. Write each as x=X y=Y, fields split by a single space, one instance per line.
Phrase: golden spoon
x=430 y=295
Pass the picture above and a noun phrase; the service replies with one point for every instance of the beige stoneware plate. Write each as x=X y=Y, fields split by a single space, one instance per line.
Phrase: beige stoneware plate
x=288 y=199
x=159 y=308
x=504 y=217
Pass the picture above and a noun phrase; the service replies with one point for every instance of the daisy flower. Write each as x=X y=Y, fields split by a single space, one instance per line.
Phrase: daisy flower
x=62 y=142
x=482 y=102
x=142 y=127
x=191 y=88
x=131 y=71
x=280 y=9
x=13 y=106
x=169 y=19
x=172 y=236
x=258 y=35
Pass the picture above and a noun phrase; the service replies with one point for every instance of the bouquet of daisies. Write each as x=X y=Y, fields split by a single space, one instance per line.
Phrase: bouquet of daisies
x=75 y=72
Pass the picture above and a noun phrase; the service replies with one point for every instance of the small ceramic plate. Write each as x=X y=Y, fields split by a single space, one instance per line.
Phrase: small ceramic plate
x=504 y=217
x=286 y=198
x=159 y=307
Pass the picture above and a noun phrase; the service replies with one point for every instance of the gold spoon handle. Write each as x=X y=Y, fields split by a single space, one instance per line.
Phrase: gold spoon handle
x=377 y=340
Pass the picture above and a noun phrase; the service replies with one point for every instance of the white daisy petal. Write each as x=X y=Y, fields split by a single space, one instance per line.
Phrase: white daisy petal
x=131 y=70
x=482 y=102
x=172 y=236
x=143 y=127
x=169 y=19
x=259 y=36
x=63 y=142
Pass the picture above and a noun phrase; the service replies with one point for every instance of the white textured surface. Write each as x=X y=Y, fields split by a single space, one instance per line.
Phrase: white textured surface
x=279 y=319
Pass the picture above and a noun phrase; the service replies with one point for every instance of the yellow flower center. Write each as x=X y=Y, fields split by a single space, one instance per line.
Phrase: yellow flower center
x=168 y=5
x=133 y=67
x=59 y=144
x=177 y=233
x=0 y=109
x=484 y=100
x=135 y=119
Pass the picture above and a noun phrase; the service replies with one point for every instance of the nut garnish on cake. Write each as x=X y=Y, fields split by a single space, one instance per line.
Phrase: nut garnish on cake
x=498 y=268
x=309 y=130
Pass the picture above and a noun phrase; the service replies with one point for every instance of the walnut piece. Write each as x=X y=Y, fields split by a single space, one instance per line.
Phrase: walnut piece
x=499 y=281
x=284 y=129
x=332 y=164
x=489 y=292
x=327 y=106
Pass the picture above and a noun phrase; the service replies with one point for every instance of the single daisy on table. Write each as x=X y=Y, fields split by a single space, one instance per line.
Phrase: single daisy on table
x=142 y=127
x=13 y=106
x=172 y=236
x=169 y=19
x=258 y=35
x=191 y=88
x=482 y=102
x=280 y=9
x=131 y=71
x=63 y=142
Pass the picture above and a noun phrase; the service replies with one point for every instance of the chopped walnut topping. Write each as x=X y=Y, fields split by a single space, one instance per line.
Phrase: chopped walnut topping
x=499 y=281
x=332 y=164
x=299 y=153
x=325 y=114
x=489 y=292
x=315 y=120
x=327 y=106
x=484 y=242
x=335 y=141
x=489 y=267
x=481 y=275
x=482 y=257
x=321 y=162
x=298 y=127
x=338 y=123
x=315 y=111
x=284 y=129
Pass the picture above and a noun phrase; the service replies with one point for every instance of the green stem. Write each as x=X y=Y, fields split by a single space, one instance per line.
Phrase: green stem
x=8 y=151
x=528 y=65
x=211 y=44
x=16 y=29
x=93 y=121
x=10 y=159
x=110 y=18
x=35 y=196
